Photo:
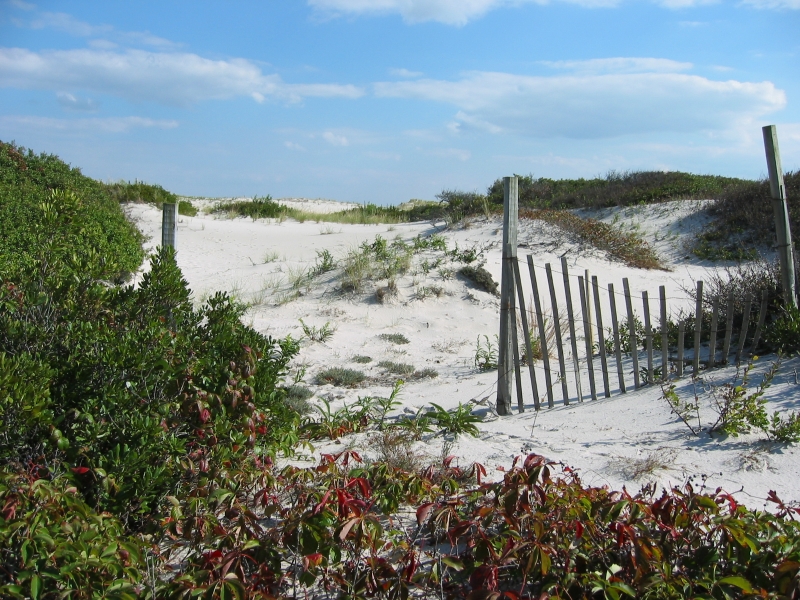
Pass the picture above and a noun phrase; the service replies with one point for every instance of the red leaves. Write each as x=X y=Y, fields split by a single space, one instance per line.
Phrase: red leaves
x=423 y=512
x=80 y=470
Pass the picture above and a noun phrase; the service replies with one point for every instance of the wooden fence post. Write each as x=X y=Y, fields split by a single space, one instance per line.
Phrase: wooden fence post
x=601 y=342
x=585 y=303
x=537 y=302
x=562 y=365
x=576 y=365
x=169 y=224
x=632 y=332
x=527 y=334
x=662 y=295
x=612 y=301
x=505 y=370
x=781 y=213
x=698 y=328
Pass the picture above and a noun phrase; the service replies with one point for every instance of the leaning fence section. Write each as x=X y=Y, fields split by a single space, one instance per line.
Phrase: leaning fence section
x=596 y=333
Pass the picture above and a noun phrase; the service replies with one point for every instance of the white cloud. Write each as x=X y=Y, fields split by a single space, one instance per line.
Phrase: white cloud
x=294 y=146
x=21 y=5
x=675 y=4
x=594 y=106
x=102 y=125
x=621 y=65
x=71 y=102
x=405 y=73
x=335 y=139
x=163 y=77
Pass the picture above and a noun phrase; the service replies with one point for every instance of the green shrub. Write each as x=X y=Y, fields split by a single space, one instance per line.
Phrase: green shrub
x=362 y=359
x=53 y=217
x=481 y=278
x=148 y=193
x=187 y=209
x=341 y=377
x=783 y=334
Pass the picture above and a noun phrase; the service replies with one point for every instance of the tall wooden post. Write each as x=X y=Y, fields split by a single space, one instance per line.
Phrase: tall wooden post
x=781 y=211
x=169 y=225
x=505 y=359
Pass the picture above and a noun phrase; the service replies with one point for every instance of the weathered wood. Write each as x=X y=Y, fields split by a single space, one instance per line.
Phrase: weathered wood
x=506 y=350
x=780 y=211
x=748 y=305
x=712 y=343
x=648 y=335
x=632 y=331
x=726 y=345
x=601 y=342
x=681 y=336
x=762 y=315
x=617 y=347
x=537 y=302
x=662 y=295
x=526 y=332
x=169 y=224
x=576 y=365
x=562 y=365
x=588 y=326
x=698 y=328
x=517 y=366
x=587 y=337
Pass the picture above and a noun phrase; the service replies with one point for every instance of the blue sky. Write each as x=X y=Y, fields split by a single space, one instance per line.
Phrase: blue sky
x=386 y=100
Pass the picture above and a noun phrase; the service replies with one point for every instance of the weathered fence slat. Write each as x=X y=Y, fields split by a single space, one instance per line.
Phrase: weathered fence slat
x=587 y=338
x=617 y=347
x=698 y=328
x=526 y=332
x=662 y=295
x=587 y=282
x=562 y=365
x=632 y=331
x=648 y=334
x=517 y=366
x=762 y=315
x=681 y=340
x=600 y=338
x=537 y=301
x=745 y=325
x=576 y=365
x=726 y=346
x=712 y=343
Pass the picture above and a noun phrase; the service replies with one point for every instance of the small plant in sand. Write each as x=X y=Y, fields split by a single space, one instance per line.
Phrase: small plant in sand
x=325 y=263
x=738 y=409
x=455 y=422
x=481 y=278
x=341 y=377
x=426 y=374
x=384 y=293
x=297 y=399
x=395 y=338
x=362 y=359
x=485 y=358
x=318 y=334
x=332 y=424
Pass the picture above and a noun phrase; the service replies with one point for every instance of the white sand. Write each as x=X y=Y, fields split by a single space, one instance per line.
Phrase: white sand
x=625 y=440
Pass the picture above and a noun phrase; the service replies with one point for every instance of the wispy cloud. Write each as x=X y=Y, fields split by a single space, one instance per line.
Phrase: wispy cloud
x=594 y=106
x=93 y=125
x=461 y=12
x=68 y=24
x=774 y=4
x=294 y=146
x=71 y=102
x=335 y=139
x=620 y=65
x=405 y=73
x=163 y=77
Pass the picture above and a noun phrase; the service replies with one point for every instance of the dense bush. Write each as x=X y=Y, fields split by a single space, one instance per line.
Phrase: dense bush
x=615 y=189
x=43 y=203
x=744 y=219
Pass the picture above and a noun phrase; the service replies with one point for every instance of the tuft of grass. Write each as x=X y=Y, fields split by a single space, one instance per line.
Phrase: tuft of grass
x=481 y=278
x=395 y=338
x=426 y=374
x=396 y=368
x=318 y=334
x=341 y=377
x=362 y=359
x=297 y=399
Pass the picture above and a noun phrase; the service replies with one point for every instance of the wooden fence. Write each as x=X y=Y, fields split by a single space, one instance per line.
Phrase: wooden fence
x=590 y=342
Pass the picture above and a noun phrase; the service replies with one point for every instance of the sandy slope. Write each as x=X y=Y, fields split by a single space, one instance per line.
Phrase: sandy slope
x=623 y=440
